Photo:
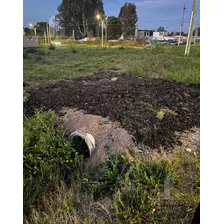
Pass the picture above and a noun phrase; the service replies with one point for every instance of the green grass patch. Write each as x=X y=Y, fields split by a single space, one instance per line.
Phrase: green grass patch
x=52 y=47
x=48 y=158
x=31 y=50
x=167 y=62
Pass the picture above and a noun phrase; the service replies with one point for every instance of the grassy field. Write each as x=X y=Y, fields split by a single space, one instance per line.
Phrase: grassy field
x=77 y=60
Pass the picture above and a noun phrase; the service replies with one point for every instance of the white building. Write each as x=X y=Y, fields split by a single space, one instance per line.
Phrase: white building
x=142 y=35
x=160 y=35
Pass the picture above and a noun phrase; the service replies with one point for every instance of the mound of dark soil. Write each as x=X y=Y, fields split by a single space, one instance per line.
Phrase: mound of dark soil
x=152 y=110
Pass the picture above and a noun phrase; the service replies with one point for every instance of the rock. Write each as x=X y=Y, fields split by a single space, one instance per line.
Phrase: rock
x=114 y=79
x=188 y=150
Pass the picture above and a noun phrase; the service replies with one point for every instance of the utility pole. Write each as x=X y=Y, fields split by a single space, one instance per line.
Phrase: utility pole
x=102 y=21
x=45 y=38
x=73 y=34
x=136 y=32
x=196 y=34
x=35 y=31
x=55 y=28
x=181 y=24
x=191 y=27
x=47 y=33
x=106 y=31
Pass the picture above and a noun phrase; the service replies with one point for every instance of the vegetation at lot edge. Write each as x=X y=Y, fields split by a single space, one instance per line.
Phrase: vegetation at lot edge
x=166 y=62
x=126 y=188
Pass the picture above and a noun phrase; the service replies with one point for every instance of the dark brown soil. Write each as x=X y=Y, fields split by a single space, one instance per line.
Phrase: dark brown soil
x=152 y=110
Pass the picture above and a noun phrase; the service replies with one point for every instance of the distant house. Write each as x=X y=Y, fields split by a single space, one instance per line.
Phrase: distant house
x=160 y=35
x=183 y=39
x=143 y=35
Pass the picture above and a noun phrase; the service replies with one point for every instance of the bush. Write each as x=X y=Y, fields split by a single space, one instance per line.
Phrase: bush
x=121 y=48
x=39 y=58
x=74 y=51
x=48 y=158
x=31 y=50
x=127 y=43
x=119 y=171
x=137 y=195
x=25 y=55
x=52 y=47
x=40 y=52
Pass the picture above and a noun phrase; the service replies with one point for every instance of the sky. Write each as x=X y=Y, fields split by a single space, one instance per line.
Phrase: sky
x=151 y=13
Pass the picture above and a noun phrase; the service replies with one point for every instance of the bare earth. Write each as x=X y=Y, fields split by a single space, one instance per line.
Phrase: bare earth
x=110 y=137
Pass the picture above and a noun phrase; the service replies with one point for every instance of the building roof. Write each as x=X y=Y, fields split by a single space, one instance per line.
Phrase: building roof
x=144 y=30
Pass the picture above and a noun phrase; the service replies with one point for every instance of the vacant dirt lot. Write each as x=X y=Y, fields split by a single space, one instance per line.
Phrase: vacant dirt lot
x=152 y=110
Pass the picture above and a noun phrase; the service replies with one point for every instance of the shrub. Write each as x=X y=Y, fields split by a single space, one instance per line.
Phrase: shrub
x=121 y=48
x=136 y=198
x=119 y=171
x=48 y=158
x=39 y=58
x=25 y=55
x=74 y=51
x=52 y=47
x=40 y=52
x=127 y=43
x=31 y=50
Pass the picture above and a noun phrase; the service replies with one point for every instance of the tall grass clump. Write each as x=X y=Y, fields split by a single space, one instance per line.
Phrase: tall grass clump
x=48 y=158
x=31 y=50
x=132 y=186
x=52 y=47
x=41 y=53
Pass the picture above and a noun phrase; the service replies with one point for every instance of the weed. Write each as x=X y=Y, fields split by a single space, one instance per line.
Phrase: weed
x=39 y=58
x=119 y=170
x=31 y=50
x=40 y=52
x=161 y=114
x=25 y=96
x=121 y=48
x=25 y=55
x=74 y=51
x=48 y=157
x=52 y=47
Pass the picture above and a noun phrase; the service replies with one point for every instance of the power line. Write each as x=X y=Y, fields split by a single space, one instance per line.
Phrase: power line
x=162 y=21
x=172 y=25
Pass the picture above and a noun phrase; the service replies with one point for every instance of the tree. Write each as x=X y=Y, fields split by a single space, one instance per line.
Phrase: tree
x=80 y=15
x=151 y=32
x=182 y=34
x=27 y=31
x=128 y=18
x=198 y=31
x=161 y=29
x=113 y=27
x=40 y=28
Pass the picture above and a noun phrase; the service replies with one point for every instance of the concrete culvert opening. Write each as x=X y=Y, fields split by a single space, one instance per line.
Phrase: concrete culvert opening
x=83 y=143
